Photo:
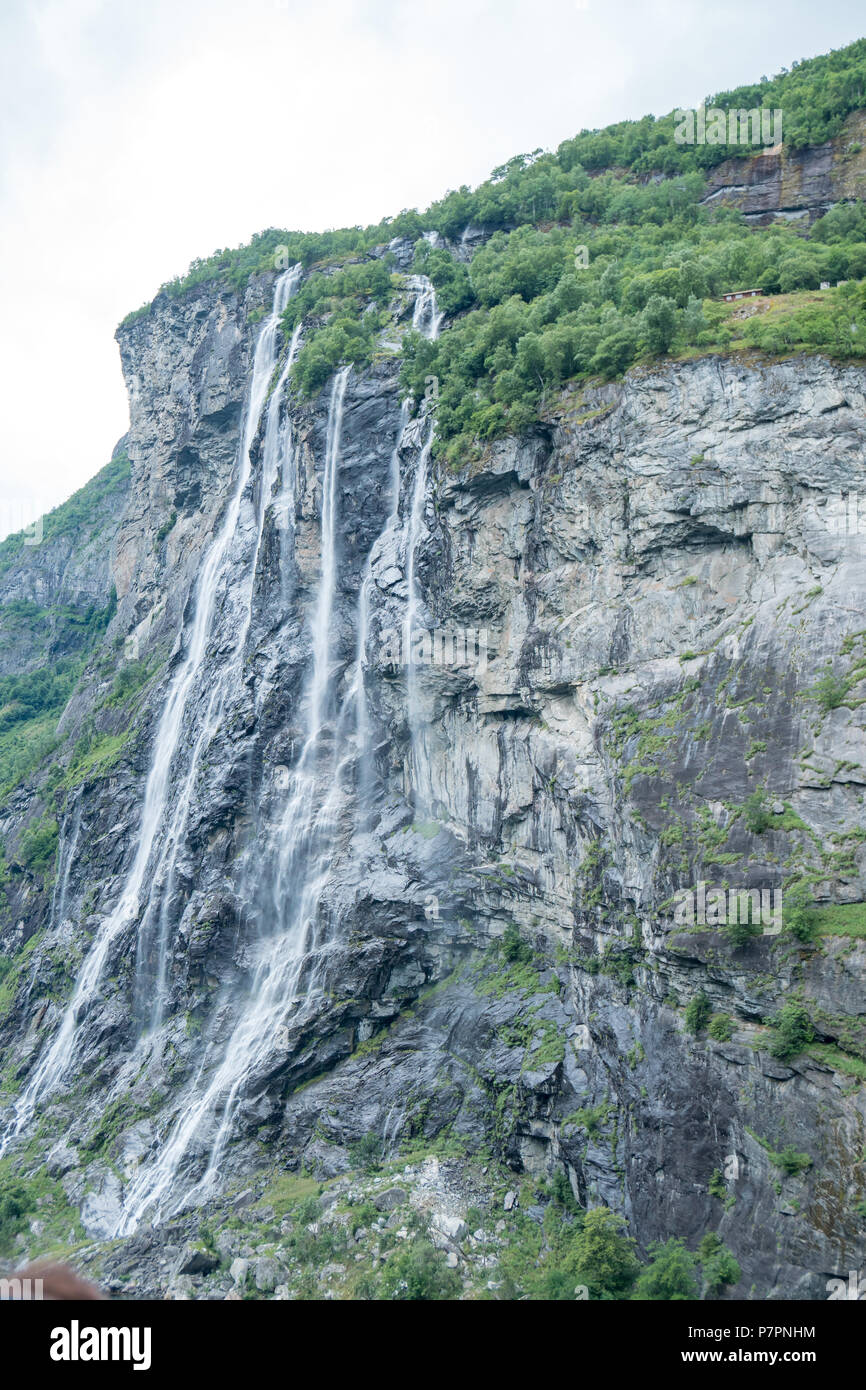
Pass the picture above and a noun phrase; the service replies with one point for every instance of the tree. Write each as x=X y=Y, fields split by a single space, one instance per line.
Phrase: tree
x=718 y=1265
x=693 y=319
x=793 y=1031
x=605 y=1260
x=697 y=1013
x=755 y=812
x=614 y=353
x=670 y=1276
x=659 y=323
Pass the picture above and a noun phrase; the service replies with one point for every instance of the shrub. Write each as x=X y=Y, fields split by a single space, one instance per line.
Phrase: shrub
x=15 y=1203
x=308 y=1210
x=829 y=691
x=741 y=933
x=798 y=912
x=38 y=845
x=562 y=1193
x=716 y=1185
x=418 y=1272
x=128 y=681
x=719 y=1269
x=604 y=1261
x=697 y=1013
x=514 y=948
x=721 y=1027
x=669 y=1276
x=366 y=1152
x=755 y=812
x=793 y=1031
x=790 y=1160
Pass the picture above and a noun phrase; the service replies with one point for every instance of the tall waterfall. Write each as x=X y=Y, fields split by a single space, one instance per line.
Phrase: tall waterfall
x=287 y=875
x=427 y=320
x=153 y=982
x=290 y=944
x=57 y=1057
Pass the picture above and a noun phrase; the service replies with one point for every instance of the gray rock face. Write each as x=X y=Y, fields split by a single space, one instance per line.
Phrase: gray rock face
x=783 y=184
x=620 y=620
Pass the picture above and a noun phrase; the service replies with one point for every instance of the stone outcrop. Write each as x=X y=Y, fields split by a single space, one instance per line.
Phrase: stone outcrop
x=786 y=184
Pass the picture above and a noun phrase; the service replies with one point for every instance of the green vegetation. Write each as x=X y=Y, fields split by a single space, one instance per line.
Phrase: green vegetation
x=38 y=846
x=792 y=1031
x=418 y=1271
x=718 y=1264
x=78 y=517
x=698 y=1012
x=590 y=1119
x=756 y=812
x=798 y=914
x=14 y=1208
x=366 y=1152
x=12 y=968
x=790 y=1161
x=840 y=919
x=165 y=529
x=721 y=1027
x=93 y=756
x=24 y=1197
x=589 y=267
x=741 y=932
x=348 y=311
x=24 y=748
x=59 y=639
x=288 y=1192
x=670 y=1275
x=716 y=1185
x=514 y=948
x=128 y=681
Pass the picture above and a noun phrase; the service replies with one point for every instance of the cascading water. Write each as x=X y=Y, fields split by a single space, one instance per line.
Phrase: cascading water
x=58 y=1056
x=427 y=320
x=284 y=880
x=70 y=832
x=162 y=882
x=293 y=947
x=288 y=951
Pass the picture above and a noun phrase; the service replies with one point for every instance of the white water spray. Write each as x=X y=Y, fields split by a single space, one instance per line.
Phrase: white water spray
x=303 y=860
x=57 y=1057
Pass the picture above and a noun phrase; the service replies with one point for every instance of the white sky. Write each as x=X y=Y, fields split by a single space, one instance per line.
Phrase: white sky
x=138 y=134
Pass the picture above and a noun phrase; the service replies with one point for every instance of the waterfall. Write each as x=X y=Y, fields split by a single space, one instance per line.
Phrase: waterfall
x=426 y=319
x=57 y=1057
x=65 y=857
x=67 y=845
x=294 y=882
x=227 y=679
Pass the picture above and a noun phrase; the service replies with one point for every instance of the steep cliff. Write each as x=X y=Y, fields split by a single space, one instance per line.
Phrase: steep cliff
x=416 y=917
x=790 y=185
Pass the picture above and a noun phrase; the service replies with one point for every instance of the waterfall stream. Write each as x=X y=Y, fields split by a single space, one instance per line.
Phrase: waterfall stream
x=283 y=872
x=427 y=320
x=57 y=1057
x=294 y=878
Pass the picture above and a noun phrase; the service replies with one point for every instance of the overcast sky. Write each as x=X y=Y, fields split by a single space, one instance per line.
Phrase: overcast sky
x=139 y=134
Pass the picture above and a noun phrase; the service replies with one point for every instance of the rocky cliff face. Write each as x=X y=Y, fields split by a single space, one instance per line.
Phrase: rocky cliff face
x=784 y=184
x=618 y=623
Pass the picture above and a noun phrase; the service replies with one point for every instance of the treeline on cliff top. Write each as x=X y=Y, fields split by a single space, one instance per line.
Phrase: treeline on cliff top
x=591 y=266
